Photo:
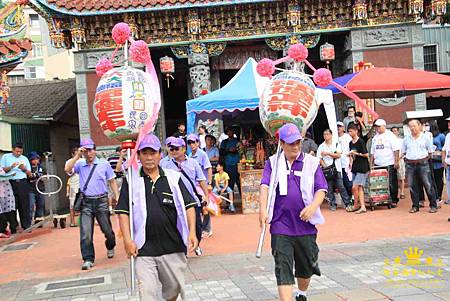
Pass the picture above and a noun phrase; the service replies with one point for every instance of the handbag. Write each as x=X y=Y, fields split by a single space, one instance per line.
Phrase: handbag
x=330 y=172
x=200 y=197
x=80 y=194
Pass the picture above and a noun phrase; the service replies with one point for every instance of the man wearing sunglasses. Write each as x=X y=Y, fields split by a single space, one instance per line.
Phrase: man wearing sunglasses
x=193 y=178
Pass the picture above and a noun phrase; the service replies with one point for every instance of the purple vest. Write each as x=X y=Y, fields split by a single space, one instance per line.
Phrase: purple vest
x=140 y=207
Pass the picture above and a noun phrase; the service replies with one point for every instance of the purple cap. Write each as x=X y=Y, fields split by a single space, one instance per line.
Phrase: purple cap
x=192 y=137
x=87 y=143
x=178 y=142
x=150 y=141
x=169 y=140
x=289 y=133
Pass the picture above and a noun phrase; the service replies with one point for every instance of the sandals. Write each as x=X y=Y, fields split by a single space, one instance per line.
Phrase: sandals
x=360 y=211
x=402 y=196
x=3 y=235
x=413 y=210
x=73 y=225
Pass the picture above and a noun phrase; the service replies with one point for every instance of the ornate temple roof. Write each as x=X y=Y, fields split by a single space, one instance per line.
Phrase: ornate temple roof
x=95 y=7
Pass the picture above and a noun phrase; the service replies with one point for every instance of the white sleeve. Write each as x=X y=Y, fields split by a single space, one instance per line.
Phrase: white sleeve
x=447 y=143
x=396 y=146
x=319 y=151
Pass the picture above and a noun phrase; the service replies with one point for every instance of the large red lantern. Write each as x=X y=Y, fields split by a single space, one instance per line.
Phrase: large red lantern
x=167 y=66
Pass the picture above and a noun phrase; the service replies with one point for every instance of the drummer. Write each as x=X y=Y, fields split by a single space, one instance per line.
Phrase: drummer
x=301 y=188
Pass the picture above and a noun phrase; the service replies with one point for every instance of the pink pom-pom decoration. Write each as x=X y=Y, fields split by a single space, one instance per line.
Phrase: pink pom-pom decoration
x=322 y=77
x=121 y=33
x=103 y=66
x=298 y=52
x=139 y=52
x=265 y=67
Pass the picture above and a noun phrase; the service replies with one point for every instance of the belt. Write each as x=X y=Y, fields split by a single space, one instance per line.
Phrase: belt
x=18 y=180
x=96 y=197
x=417 y=162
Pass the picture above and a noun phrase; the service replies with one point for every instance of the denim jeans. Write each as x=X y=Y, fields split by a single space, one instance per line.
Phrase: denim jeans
x=37 y=199
x=417 y=173
x=332 y=184
x=97 y=208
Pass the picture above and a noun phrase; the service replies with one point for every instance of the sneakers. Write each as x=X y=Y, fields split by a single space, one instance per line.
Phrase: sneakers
x=301 y=298
x=433 y=210
x=232 y=209
x=87 y=265
x=198 y=251
x=333 y=208
x=350 y=208
x=110 y=253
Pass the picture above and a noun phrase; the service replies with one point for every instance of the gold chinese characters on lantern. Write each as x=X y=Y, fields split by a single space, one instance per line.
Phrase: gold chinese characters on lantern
x=167 y=66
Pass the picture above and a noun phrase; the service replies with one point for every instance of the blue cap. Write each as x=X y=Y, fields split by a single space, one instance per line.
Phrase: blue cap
x=193 y=137
x=87 y=143
x=289 y=133
x=178 y=142
x=150 y=141
x=34 y=155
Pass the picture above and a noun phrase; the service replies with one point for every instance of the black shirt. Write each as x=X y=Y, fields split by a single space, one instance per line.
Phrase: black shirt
x=360 y=164
x=36 y=172
x=161 y=233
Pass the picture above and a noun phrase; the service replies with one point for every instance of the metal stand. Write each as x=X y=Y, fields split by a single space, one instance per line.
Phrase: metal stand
x=272 y=191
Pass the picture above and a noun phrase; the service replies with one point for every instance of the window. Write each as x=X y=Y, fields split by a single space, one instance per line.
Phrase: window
x=34 y=21
x=430 y=58
x=36 y=50
x=16 y=79
x=30 y=72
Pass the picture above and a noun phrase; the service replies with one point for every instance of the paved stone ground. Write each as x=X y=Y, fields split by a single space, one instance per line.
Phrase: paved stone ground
x=375 y=270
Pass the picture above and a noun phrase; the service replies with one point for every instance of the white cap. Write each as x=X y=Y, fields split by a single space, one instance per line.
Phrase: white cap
x=340 y=123
x=448 y=118
x=380 y=122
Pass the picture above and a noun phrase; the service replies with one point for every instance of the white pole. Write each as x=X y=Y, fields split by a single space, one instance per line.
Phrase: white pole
x=271 y=198
x=130 y=204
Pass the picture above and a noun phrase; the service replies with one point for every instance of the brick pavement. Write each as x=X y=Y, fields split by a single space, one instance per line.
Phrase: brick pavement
x=353 y=272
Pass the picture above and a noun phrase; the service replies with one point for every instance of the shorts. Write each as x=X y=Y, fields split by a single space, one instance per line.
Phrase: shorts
x=228 y=190
x=401 y=170
x=72 y=195
x=299 y=251
x=360 y=179
x=119 y=185
x=167 y=269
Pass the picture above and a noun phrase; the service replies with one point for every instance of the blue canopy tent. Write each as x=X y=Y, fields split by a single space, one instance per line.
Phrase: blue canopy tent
x=241 y=93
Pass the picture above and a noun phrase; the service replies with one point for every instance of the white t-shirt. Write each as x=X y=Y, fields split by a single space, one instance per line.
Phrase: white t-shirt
x=74 y=179
x=447 y=148
x=344 y=141
x=383 y=148
x=334 y=147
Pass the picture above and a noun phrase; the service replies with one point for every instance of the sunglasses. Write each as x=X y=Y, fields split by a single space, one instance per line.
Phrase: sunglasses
x=191 y=142
x=174 y=148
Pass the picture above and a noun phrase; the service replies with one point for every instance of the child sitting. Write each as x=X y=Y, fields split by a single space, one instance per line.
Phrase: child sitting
x=221 y=179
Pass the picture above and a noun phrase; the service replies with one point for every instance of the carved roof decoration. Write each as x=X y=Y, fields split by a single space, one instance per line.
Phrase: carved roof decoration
x=88 y=23
x=93 y=7
x=12 y=52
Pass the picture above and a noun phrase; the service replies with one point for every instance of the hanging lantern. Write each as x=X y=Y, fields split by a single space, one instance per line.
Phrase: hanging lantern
x=167 y=66
x=360 y=10
x=289 y=97
x=438 y=7
x=78 y=33
x=327 y=53
x=416 y=7
x=124 y=102
x=57 y=39
x=4 y=91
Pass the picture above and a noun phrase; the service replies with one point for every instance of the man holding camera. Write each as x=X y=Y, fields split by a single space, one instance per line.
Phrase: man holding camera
x=94 y=174
x=18 y=164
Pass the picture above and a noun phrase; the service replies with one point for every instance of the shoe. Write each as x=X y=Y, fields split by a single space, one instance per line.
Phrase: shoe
x=421 y=204
x=232 y=209
x=448 y=219
x=333 y=208
x=432 y=210
x=413 y=210
x=301 y=298
x=110 y=253
x=360 y=211
x=394 y=205
x=198 y=251
x=447 y=202
x=350 y=208
x=87 y=265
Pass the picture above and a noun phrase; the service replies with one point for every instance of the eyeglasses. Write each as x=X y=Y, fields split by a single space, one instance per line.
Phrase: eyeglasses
x=174 y=148
x=191 y=142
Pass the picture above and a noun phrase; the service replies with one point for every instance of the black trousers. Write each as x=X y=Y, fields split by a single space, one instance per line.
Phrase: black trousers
x=21 y=190
x=8 y=217
x=232 y=171
x=438 y=179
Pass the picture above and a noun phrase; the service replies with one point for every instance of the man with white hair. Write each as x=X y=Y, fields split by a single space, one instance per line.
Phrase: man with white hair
x=385 y=152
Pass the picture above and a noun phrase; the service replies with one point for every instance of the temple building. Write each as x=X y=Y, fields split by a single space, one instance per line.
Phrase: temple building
x=210 y=40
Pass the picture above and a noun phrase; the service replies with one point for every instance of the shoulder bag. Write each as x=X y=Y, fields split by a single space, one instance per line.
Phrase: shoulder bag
x=80 y=194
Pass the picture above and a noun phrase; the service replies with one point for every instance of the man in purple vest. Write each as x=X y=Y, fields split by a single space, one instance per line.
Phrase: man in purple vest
x=293 y=212
x=164 y=224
